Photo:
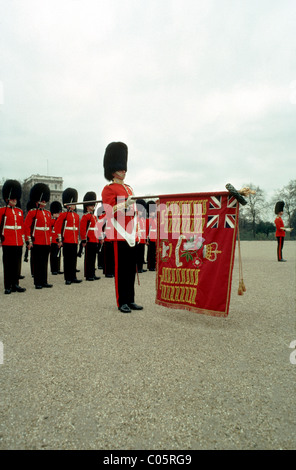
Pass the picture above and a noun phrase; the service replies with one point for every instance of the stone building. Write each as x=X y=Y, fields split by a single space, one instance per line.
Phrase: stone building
x=55 y=184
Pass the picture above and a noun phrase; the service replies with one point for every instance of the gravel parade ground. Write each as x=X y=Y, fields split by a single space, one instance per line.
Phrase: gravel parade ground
x=78 y=374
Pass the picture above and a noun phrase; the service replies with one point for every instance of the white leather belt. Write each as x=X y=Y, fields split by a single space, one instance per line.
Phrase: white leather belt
x=44 y=229
x=71 y=228
x=91 y=228
x=12 y=227
x=129 y=237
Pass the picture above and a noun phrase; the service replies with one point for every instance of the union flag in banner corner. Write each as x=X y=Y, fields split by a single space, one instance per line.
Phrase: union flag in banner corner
x=195 y=251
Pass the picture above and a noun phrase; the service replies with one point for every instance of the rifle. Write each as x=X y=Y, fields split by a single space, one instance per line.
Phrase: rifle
x=80 y=251
x=26 y=255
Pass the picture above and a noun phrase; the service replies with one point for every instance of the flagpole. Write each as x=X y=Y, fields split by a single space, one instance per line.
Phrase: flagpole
x=229 y=187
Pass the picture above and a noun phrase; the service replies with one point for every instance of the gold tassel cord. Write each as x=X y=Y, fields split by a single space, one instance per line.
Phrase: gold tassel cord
x=241 y=285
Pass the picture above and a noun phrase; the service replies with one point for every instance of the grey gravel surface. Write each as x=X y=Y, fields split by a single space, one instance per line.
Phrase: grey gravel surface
x=78 y=374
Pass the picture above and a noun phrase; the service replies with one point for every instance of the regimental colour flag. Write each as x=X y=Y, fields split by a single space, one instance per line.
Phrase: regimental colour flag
x=196 y=236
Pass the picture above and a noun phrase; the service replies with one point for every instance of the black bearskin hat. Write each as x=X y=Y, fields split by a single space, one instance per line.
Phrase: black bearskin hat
x=70 y=196
x=141 y=206
x=40 y=192
x=115 y=159
x=90 y=196
x=55 y=207
x=151 y=207
x=279 y=207
x=11 y=190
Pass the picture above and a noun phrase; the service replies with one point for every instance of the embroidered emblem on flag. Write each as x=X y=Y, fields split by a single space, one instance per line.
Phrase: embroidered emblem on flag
x=216 y=203
x=194 y=270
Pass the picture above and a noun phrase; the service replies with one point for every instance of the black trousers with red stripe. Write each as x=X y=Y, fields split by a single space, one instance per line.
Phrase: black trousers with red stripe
x=12 y=258
x=55 y=260
x=151 y=255
x=90 y=260
x=40 y=264
x=108 y=266
x=70 y=261
x=280 y=245
x=125 y=258
x=140 y=248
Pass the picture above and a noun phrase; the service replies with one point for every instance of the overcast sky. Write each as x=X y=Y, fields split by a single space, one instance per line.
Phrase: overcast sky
x=203 y=92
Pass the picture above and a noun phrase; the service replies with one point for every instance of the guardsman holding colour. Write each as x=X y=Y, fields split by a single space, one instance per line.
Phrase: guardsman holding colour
x=67 y=233
x=38 y=233
x=89 y=241
x=120 y=212
x=12 y=236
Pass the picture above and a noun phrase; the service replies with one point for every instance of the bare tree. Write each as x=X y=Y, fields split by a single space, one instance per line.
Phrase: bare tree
x=255 y=207
x=288 y=195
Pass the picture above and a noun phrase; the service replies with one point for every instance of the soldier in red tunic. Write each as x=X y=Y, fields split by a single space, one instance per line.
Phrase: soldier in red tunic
x=67 y=232
x=12 y=236
x=280 y=229
x=38 y=233
x=120 y=212
x=89 y=240
x=55 y=258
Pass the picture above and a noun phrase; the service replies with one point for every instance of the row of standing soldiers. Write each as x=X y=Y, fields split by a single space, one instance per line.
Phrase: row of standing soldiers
x=46 y=232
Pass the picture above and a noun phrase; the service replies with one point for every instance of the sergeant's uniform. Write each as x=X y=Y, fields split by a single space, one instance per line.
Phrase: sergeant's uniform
x=38 y=233
x=55 y=258
x=121 y=214
x=67 y=233
x=12 y=236
x=88 y=226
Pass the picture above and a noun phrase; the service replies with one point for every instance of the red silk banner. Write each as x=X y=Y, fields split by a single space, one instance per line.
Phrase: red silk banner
x=195 y=251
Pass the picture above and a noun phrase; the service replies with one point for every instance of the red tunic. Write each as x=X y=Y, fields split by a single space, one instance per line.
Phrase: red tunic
x=152 y=231
x=121 y=223
x=141 y=232
x=99 y=230
x=53 y=222
x=88 y=224
x=38 y=227
x=279 y=223
x=13 y=226
x=67 y=227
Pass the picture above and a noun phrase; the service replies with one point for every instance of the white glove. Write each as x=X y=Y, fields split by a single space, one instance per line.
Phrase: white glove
x=129 y=202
